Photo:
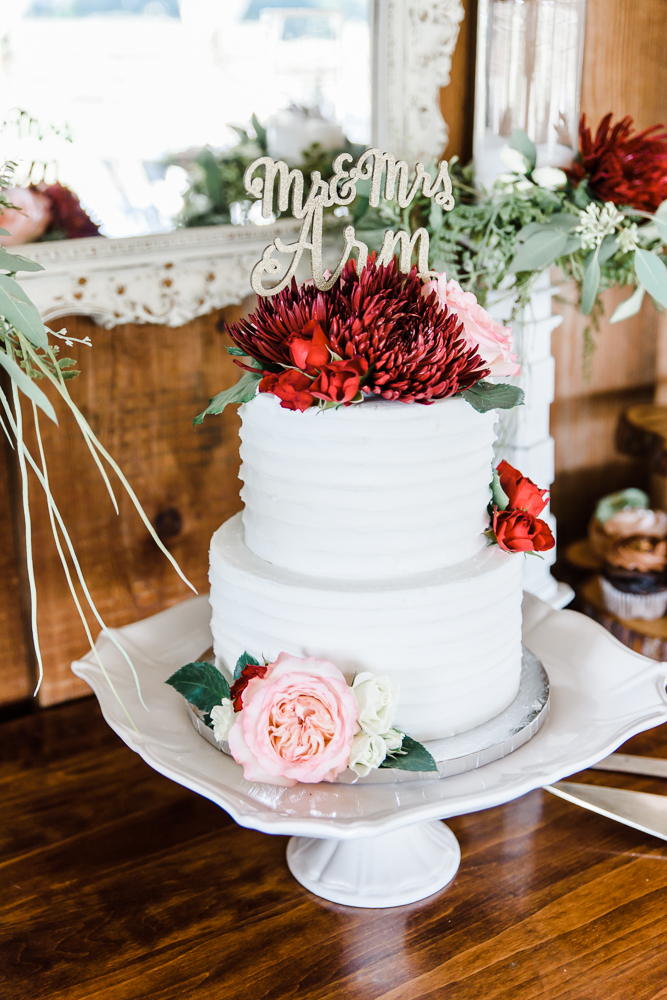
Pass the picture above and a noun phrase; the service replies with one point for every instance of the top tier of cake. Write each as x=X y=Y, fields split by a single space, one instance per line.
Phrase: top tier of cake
x=369 y=491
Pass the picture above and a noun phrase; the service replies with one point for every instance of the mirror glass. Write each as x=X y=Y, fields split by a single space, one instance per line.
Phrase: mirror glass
x=117 y=99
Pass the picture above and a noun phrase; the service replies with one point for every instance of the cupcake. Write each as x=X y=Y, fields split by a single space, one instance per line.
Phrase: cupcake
x=614 y=503
x=633 y=546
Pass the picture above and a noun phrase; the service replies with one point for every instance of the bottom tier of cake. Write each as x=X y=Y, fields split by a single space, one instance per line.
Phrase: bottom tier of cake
x=451 y=638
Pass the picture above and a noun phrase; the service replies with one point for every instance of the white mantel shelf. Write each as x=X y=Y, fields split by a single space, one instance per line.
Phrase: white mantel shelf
x=169 y=278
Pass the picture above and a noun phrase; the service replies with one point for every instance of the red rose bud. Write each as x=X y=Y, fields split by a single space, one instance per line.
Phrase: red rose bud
x=339 y=381
x=291 y=387
x=521 y=491
x=519 y=531
x=250 y=671
x=310 y=347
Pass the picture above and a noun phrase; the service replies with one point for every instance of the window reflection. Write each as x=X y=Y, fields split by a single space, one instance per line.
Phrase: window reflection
x=139 y=83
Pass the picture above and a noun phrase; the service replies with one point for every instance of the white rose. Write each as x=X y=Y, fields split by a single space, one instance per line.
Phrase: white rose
x=222 y=717
x=393 y=740
x=524 y=185
x=367 y=753
x=515 y=160
x=377 y=701
x=550 y=178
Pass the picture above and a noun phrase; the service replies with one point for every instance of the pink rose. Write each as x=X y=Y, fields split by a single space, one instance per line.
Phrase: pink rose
x=493 y=341
x=30 y=222
x=297 y=723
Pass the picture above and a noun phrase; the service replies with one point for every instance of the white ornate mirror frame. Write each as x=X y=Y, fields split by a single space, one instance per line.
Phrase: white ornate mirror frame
x=174 y=277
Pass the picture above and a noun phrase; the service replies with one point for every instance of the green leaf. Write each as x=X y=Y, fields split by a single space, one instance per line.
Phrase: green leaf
x=260 y=132
x=521 y=142
x=242 y=392
x=660 y=223
x=413 y=756
x=485 y=396
x=608 y=248
x=28 y=386
x=15 y=262
x=243 y=661
x=3 y=232
x=573 y=244
x=629 y=307
x=236 y=352
x=201 y=684
x=530 y=229
x=539 y=250
x=435 y=218
x=591 y=283
x=563 y=220
x=18 y=310
x=653 y=275
x=498 y=496
x=359 y=208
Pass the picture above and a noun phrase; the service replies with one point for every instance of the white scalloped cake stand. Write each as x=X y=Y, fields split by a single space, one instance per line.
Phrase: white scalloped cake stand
x=381 y=845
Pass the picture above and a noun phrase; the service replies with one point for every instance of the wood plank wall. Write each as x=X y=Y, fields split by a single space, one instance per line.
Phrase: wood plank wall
x=141 y=385
x=139 y=389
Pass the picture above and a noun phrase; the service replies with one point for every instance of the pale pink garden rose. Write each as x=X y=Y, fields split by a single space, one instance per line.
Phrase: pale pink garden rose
x=494 y=342
x=29 y=220
x=297 y=723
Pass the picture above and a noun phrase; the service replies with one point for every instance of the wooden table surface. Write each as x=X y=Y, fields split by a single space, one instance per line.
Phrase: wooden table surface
x=117 y=883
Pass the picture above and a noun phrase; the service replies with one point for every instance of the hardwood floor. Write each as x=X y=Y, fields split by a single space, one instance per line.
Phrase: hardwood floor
x=117 y=883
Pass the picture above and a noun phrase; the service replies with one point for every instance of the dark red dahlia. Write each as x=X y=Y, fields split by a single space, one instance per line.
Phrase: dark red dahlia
x=621 y=165
x=67 y=215
x=378 y=318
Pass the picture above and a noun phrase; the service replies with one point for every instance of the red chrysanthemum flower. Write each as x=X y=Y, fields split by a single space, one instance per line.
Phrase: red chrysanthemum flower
x=623 y=166
x=411 y=345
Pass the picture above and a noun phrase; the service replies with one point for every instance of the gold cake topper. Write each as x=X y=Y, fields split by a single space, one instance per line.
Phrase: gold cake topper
x=373 y=165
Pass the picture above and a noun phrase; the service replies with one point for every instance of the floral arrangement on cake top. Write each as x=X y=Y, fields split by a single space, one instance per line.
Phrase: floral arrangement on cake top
x=297 y=719
x=515 y=504
x=376 y=332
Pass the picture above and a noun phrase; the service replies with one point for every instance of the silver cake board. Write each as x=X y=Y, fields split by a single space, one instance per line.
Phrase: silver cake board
x=465 y=751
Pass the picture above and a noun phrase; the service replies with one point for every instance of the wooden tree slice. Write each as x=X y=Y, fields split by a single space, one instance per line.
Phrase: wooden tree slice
x=648 y=638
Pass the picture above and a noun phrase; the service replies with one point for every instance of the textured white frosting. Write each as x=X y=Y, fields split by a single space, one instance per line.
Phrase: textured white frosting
x=451 y=637
x=374 y=490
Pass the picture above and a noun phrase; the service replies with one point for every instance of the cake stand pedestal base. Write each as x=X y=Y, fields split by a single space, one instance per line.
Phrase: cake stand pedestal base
x=391 y=869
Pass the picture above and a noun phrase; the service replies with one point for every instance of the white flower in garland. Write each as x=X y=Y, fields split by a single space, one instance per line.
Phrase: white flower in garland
x=377 y=701
x=514 y=160
x=222 y=717
x=595 y=223
x=549 y=178
x=628 y=238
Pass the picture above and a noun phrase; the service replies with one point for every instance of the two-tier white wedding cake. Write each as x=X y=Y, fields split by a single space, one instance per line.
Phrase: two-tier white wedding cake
x=362 y=542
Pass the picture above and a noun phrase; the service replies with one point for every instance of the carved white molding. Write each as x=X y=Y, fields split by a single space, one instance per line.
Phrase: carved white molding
x=169 y=278
x=413 y=45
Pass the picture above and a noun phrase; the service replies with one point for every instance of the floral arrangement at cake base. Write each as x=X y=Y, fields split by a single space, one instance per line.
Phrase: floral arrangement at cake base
x=376 y=332
x=298 y=720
